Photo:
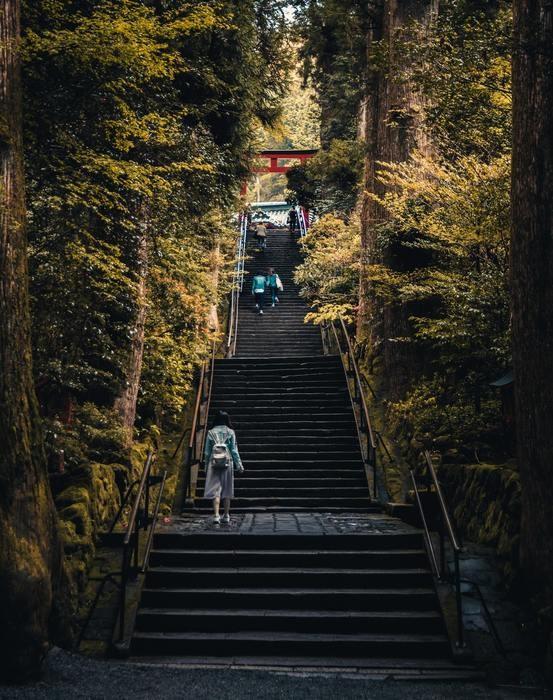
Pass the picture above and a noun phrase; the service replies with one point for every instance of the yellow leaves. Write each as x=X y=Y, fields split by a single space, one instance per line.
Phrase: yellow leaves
x=128 y=34
x=199 y=18
x=457 y=205
x=129 y=129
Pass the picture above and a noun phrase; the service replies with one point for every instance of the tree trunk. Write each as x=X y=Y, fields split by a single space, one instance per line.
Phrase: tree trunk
x=393 y=128
x=126 y=403
x=532 y=283
x=29 y=551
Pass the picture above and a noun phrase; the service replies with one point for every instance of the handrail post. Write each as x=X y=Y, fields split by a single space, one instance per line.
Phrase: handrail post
x=123 y=593
x=442 y=547
x=459 y=601
x=136 y=543
x=147 y=502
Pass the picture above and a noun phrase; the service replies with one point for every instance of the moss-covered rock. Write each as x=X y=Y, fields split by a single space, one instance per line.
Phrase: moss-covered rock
x=485 y=502
x=87 y=500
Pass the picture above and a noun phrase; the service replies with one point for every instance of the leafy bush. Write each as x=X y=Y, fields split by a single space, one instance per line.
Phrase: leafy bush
x=329 y=275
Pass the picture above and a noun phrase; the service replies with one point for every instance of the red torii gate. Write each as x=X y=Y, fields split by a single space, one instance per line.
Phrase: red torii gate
x=276 y=158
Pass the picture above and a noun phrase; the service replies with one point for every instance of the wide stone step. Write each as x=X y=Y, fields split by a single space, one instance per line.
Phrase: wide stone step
x=266 y=368
x=232 y=577
x=383 y=537
x=282 y=384
x=251 y=479
x=308 y=621
x=291 y=414
x=281 y=433
x=206 y=508
x=284 y=401
x=305 y=443
x=326 y=422
x=276 y=361
x=316 y=504
x=262 y=452
x=245 y=491
x=307 y=475
x=280 y=390
x=299 y=463
x=290 y=643
x=268 y=349
x=347 y=559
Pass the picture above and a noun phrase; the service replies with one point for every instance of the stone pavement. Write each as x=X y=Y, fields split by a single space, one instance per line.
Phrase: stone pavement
x=288 y=524
x=72 y=676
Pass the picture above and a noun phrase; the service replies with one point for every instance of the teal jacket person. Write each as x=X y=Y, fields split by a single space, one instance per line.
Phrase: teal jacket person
x=258 y=284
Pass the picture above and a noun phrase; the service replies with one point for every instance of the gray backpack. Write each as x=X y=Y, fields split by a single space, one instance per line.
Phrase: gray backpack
x=221 y=458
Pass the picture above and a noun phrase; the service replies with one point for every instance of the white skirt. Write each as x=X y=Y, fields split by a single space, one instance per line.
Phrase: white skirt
x=219 y=483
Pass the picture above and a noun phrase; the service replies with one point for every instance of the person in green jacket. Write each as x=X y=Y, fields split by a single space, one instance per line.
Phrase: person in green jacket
x=258 y=290
x=273 y=284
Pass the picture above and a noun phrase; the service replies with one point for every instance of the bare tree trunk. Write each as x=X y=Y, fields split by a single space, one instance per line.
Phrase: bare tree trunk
x=29 y=551
x=532 y=283
x=126 y=403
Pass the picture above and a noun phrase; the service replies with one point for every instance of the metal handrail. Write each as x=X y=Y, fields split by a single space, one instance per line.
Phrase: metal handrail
x=428 y=538
x=198 y=430
x=445 y=528
x=150 y=541
x=301 y=221
x=364 y=424
x=441 y=500
x=208 y=403
x=237 y=285
x=139 y=519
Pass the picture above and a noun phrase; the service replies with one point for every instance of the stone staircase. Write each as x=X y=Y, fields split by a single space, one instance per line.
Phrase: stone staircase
x=309 y=567
x=281 y=331
x=298 y=595
x=296 y=435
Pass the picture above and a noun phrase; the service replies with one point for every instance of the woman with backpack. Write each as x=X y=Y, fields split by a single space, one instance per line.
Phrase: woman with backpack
x=274 y=284
x=221 y=460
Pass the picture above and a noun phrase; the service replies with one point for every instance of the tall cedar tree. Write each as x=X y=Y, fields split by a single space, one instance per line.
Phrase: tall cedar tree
x=29 y=552
x=532 y=281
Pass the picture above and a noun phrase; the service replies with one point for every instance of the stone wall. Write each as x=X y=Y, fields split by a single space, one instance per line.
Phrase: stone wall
x=485 y=502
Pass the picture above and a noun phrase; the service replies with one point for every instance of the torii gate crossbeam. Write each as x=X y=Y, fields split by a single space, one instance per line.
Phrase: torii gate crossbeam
x=275 y=156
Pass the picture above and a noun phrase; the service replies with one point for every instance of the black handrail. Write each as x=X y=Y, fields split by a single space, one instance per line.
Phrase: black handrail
x=363 y=422
x=445 y=529
x=190 y=456
x=198 y=430
x=155 y=514
x=139 y=519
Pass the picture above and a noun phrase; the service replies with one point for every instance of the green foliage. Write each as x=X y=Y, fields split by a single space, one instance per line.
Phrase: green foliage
x=140 y=117
x=329 y=275
x=330 y=181
x=334 y=33
x=299 y=124
x=445 y=252
x=442 y=413
x=461 y=62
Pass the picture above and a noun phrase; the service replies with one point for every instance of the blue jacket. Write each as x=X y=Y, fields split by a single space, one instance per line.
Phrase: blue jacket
x=220 y=433
x=259 y=283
